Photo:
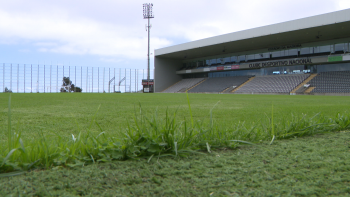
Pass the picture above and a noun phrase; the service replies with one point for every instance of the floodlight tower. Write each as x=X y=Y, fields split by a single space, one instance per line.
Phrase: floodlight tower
x=148 y=14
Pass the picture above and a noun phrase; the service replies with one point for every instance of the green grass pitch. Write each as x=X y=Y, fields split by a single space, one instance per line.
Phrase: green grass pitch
x=309 y=166
x=60 y=112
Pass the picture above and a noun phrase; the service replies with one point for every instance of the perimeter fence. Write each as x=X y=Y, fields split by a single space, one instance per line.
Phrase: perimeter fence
x=30 y=78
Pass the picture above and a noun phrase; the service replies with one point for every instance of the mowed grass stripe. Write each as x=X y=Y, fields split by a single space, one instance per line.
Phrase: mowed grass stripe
x=58 y=112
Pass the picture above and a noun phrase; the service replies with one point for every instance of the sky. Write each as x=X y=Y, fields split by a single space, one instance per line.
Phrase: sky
x=108 y=33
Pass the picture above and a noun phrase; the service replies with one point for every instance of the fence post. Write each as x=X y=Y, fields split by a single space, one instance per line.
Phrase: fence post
x=114 y=82
x=3 y=77
x=109 y=78
x=103 y=80
x=11 y=78
x=31 y=78
x=24 y=81
x=44 y=78
x=57 y=79
x=125 y=79
x=81 y=78
x=50 y=76
x=120 y=71
x=98 y=79
x=75 y=77
x=69 y=79
x=17 y=77
x=37 y=82
x=87 y=72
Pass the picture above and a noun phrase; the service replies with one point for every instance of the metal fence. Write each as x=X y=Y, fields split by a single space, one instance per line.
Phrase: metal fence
x=30 y=78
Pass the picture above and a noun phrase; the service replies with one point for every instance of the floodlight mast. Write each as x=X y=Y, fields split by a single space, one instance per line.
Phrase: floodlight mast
x=148 y=14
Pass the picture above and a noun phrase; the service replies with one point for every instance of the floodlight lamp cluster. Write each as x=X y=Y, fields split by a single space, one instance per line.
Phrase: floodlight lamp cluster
x=147 y=10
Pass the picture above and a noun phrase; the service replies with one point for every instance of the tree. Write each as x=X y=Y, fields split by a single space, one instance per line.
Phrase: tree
x=78 y=89
x=7 y=90
x=68 y=86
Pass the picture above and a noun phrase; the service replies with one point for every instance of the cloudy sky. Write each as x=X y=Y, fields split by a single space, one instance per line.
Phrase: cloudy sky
x=111 y=33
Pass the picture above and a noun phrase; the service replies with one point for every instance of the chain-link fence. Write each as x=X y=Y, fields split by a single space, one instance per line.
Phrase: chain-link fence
x=30 y=78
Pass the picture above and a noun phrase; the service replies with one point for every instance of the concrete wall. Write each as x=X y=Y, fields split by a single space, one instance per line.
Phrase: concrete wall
x=165 y=73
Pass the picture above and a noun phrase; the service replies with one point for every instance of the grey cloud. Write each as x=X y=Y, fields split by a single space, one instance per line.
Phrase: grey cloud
x=108 y=28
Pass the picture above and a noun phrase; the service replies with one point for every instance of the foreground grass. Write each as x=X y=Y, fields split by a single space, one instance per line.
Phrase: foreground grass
x=149 y=135
x=309 y=166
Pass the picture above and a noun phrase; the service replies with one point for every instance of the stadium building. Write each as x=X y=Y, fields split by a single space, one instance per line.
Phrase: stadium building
x=308 y=55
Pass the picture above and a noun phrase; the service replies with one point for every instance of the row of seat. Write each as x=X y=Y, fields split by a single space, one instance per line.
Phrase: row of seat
x=273 y=83
x=183 y=84
x=326 y=82
x=331 y=82
x=219 y=84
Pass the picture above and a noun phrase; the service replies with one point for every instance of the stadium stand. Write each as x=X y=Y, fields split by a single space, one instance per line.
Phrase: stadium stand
x=238 y=87
x=304 y=85
x=300 y=90
x=308 y=90
x=331 y=82
x=219 y=84
x=324 y=82
x=273 y=84
x=184 y=84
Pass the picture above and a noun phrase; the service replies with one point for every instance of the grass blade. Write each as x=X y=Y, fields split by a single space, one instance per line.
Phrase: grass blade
x=273 y=138
x=244 y=142
x=208 y=147
x=11 y=174
x=8 y=156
